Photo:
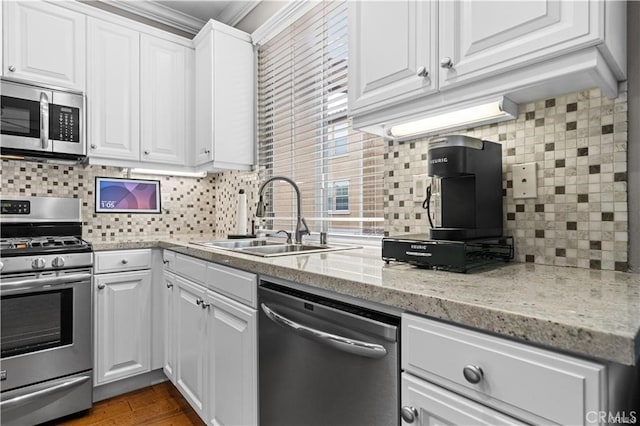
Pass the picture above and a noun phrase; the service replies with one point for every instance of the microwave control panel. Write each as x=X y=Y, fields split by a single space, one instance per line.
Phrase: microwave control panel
x=64 y=123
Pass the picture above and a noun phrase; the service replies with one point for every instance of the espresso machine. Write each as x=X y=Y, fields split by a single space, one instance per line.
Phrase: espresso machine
x=469 y=171
x=466 y=180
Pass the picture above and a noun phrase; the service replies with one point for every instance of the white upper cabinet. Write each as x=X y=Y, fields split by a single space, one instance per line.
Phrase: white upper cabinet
x=480 y=38
x=410 y=58
x=224 y=100
x=113 y=91
x=378 y=70
x=164 y=84
x=44 y=43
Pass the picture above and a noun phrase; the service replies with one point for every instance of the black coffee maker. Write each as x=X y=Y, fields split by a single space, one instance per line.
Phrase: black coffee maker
x=470 y=174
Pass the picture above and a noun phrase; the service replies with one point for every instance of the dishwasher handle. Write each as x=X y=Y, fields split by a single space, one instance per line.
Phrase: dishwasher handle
x=345 y=344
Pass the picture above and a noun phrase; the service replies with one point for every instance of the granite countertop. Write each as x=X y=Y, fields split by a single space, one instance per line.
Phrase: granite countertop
x=592 y=313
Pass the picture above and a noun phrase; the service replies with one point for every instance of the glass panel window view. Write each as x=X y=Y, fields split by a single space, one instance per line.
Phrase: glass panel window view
x=305 y=132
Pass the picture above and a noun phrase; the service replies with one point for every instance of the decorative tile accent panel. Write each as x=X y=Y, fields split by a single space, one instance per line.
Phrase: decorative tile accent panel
x=188 y=204
x=228 y=185
x=580 y=217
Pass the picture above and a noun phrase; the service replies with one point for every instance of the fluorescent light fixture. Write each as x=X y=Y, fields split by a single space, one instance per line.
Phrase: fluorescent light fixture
x=167 y=172
x=492 y=112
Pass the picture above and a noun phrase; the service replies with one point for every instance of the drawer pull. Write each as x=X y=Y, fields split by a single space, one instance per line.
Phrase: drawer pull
x=124 y=261
x=169 y=285
x=473 y=374
x=408 y=414
x=166 y=262
x=199 y=302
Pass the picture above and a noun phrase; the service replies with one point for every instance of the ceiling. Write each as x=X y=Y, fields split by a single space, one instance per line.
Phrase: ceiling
x=188 y=17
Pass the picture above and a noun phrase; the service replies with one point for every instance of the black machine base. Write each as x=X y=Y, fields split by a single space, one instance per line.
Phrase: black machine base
x=463 y=234
x=455 y=256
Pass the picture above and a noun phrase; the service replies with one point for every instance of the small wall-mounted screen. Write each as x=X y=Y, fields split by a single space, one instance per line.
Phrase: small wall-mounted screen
x=114 y=195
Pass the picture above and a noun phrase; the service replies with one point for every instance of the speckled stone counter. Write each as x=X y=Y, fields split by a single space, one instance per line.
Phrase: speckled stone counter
x=593 y=313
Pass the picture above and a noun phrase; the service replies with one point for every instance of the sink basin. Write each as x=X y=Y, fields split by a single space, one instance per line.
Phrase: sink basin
x=240 y=243
x=269 y=248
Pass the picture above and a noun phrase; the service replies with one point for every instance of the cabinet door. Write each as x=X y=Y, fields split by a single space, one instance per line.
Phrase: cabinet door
x=392 y=45
x=224 y=103
x=169 y=329
x=433 y=405
x=44 y=43
x=232 y=364
x=483 y=38
x=122 y=325
x=163 y=99
x=113 y=91
x=190 y=323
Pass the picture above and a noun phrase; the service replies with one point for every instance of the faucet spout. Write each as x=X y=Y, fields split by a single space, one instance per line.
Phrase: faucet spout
x=301 y=224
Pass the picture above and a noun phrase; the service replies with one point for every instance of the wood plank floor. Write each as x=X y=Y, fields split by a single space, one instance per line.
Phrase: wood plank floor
x=160 y=404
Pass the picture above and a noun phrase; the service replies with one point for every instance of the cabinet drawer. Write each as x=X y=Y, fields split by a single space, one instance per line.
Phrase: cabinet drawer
x=190 y=267
x=238 y=285
x=528 y=382
x=122 y=260
x=432 y=404
x=169 y=260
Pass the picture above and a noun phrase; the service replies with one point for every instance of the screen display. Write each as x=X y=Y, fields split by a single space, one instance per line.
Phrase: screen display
x=127 y=195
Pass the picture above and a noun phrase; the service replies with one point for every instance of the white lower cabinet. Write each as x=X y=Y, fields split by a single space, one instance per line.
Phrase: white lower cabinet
x=424 y=404
x=190 y=336
x=122 y=325
x=231 y=362
x=211 y=342
x=534 y=385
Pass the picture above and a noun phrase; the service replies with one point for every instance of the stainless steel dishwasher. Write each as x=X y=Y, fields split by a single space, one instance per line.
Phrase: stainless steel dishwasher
x=325 y=363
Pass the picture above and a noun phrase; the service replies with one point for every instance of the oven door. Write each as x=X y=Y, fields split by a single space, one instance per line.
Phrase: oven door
x=24 y=117
x=45 y=326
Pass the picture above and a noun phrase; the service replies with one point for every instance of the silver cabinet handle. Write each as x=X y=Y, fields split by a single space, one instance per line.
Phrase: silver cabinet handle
x=101 y=286
x=124 y=261
x=408 y=414
x=345 y=344
x=51 y=388
x=169 y=285
x=473 y=374
x=94 y=146
x=166 y=262
x=205 y=305
x=199 y=302
x=422 y=72
x=446 y=63
x=207 y=151
x=146 y=152
x=44 y=120
x=12 y=68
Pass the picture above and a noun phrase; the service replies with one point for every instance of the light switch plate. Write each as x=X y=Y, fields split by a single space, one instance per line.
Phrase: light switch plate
x=420 y=183
x=525 y=184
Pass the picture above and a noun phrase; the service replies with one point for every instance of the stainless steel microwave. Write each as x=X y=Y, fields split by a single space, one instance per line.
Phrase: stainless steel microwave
x=37 y=121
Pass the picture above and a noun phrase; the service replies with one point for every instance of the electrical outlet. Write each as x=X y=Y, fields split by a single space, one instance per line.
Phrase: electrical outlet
x=525 y=183
x=420 y=183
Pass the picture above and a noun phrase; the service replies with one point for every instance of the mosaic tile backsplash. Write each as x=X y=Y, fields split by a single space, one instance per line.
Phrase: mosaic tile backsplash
x=579 y=218
x=579 y=143
x=189 y=205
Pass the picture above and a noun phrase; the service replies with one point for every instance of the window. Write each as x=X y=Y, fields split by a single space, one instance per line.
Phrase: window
x=338 y=197
x=304 y=131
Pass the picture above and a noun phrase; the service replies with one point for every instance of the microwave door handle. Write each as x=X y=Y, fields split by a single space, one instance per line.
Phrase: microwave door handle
x=44 y=120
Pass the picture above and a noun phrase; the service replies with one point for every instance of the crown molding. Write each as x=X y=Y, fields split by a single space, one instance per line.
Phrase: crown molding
x=281 y=20
x=159 y=13
x=235 y=12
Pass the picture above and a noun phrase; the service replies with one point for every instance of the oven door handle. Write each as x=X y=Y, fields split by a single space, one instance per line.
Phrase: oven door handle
x=37 y=283
x=345 y=344
x=57 y=387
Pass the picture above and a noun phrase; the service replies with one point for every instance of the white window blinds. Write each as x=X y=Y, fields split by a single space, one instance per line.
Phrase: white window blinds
x=304 y=132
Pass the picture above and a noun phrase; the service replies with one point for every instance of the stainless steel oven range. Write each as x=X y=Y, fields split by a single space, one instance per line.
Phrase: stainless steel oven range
x=45 y=296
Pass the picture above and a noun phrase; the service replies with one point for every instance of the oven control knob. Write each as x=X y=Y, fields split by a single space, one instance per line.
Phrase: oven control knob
x=38 y=263
x=58 y=262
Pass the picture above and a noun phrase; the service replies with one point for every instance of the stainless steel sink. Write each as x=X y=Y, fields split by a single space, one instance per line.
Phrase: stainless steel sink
x=270 y=248
x=240 y=243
